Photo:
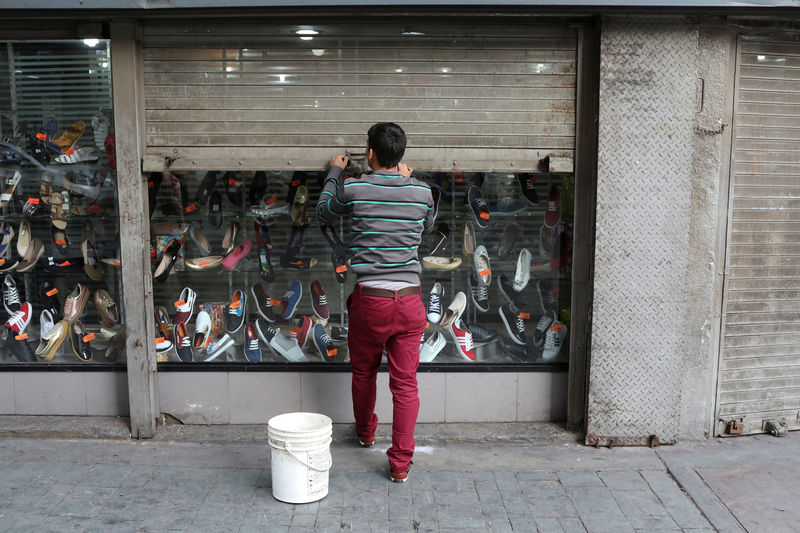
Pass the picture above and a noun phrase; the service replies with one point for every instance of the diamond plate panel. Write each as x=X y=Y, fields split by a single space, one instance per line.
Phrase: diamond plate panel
x=647 y=105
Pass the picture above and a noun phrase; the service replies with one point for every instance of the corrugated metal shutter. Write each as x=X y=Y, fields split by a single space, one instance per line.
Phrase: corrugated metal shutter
x=494 y=96
x=760 y=367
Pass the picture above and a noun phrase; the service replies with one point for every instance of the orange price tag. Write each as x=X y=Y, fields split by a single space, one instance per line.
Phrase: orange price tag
x=297 y=262
x=64 y=264
x=51 y=292
x=555 y=327
x=204 y=263
x=89 y=337
x=272 y=200
x=484 y=215
x=191 y=207
x=70 y=151
x=93 y=209
x=33 y=201
x=118 y=263
x=236 y=305
x=427 y=324
x=332 y=352
x=341 y=269
x=21 y=337
x=179 y=303
x=294 y=331
x=159 y=340
x=274 y=302
x=556 y=291
x=295 y=183
x=525 y=316
x=150 y=184
x=233 y=182
x=2 y=261
x=61 y=242
x=485 y=272
x=41 y=136
x=531 y=180
x=536 y=264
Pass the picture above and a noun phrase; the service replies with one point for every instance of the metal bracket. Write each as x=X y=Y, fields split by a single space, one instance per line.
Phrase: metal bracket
x=734 y=427
x=776 y=428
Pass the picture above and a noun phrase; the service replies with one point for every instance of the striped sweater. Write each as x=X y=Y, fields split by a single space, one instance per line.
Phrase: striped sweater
x=389 y=213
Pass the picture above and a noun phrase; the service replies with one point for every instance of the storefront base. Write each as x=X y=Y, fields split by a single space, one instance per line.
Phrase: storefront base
x=253 y=398
x=64 y=393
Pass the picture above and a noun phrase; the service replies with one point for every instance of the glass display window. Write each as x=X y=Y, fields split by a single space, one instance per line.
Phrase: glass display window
x=243 y=272
x=59 y=233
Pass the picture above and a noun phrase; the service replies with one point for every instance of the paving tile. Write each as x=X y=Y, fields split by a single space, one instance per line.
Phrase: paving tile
x=548 y=525
x=548 y=499
x=643 y=509
x=682 y=510
x=572 y=525
x=598 y=510
x=580 y=479
x=624 y=480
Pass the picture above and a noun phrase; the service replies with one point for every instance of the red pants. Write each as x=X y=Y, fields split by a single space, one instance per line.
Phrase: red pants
x=396 y=324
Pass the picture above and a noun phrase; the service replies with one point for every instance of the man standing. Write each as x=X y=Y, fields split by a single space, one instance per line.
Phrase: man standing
x=390 y=210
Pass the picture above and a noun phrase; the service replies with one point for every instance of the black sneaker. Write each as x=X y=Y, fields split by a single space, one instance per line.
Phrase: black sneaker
x=478 y=205
x=507 y=290
x=480 y=334
x=257 y=188
x=517 y=352
x=261 y=300
x=340 y=252
x=234 y=188
x=48 y=300
x=515 y=325
x=527 y=183
x=480 y=293
x=236 y=312
x=18 y=345
x=541 y=328
x=11 y=299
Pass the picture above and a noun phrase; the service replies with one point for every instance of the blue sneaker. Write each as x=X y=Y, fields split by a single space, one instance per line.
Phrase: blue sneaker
x=290 y=300
x=324 y=343
x=506 y=206
x=252 y=350
x=479 y=208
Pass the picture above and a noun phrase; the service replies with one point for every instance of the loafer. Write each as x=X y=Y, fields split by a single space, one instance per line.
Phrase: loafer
x=239 y=253
x=234 y=188
x=204 y=263
x=164 y=324
x=32 y=255
x=481 y=264
x=51 y=341
x=199 y=238
x=468 y=242
x=231 y=234
x=429 y=349
x=91 y=260
x=435 y=262
x=202 y=331
x=299 y=206
x=258 y=186
x=184 y=307
x=167 y=260
x=261 y=300
x=60 y=240
x=454 y=310
x=215 y=210
x=80 y=340
x=75 y=303
x=252 y=350
x=206 y=186
x=106 y=308
x=183 y=342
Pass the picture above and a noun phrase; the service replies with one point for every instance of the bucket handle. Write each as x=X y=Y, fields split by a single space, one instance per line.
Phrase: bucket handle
x=291 y=452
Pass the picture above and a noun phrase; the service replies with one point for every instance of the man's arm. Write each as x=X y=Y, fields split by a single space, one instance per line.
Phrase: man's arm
x=430 y=218
x=331 y=203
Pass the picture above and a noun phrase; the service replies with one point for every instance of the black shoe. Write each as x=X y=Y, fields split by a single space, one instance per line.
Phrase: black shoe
x=257 y=188
x=234 y=188
x=542 y=326
x=507 y=290
x=48 y=300
x=527 y=183
x=480 y=334
x=19 y=347
x=215 y=210
x=340 y=252
x=515 y=324
x=480 y=294
x=80 y=341
x=153 y=184
x=298 y=179
x=518 y=352
x=265 y=264
x=206 y=186
x=237 y=312
x=61 y=265
x=166 y=261
x=292 y=258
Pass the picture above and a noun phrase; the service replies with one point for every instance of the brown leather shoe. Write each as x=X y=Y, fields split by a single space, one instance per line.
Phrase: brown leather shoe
x=164 y=323
x=106 y=308
x=75 y=303
x=366 y=442
x=399 y=477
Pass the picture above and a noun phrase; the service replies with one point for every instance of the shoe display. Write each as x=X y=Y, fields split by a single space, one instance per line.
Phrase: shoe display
x=481 y=264
x=215 y=210
x=163 y=345
x=231 y=236
x=430 y=348
x=462 y=339
x=236 y=312
x=319 y=302
x=435 y=303
x=252 y=349
x=257 y=188
x=270 y=207
x=215 y=349
x=553 y=212
x=234 y=189
x=299 y=205
x=153 y=185
x=6 y=235
x=9 y=184
x=80 y=340
x=440 y=237
x=23 y=237
x=508 y=291
x=262 y=303
x=477 y=204
x=339 y=252
x=166 y=261
x=454 y=310
x=202 y=331
x=548 y=295
x=523 y=273
x=32 y=255
x=527 y=183
x=265 y=264
x=515 y=324
x=479 y=292
x=183 y=342
x=20 y=319
x=480 y=334
x=116 y=344
x=285 y=346
x=206 y=186
x=18 y=343
x=553 y=340
x=323 y=343
x=91 y=260
x=290 y=299
x=510 y=236
x=46 y=322
x=198 y=237
x=506 y=206
x=75 y=303
x=51 y=341
x=204 y=263
x=11 y=300
x=184 y=307
x=542 y=326
x=518 y=352
x=106 y=308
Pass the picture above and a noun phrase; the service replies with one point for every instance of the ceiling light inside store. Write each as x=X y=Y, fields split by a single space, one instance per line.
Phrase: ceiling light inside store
x=412 y=33
x=307 y=32
x=91 y=43
x=445 y=69
x=317 y=52
x=761 y=58
x=306 y=38
x=398 y=70
x=282 y=77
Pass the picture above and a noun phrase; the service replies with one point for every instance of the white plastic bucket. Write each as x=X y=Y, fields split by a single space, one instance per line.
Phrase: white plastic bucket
x=301 y=456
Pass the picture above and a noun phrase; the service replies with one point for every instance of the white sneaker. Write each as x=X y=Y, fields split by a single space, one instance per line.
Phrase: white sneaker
x=429 y=349
x=553 y=340
x=454 y=310
x=482 y=268
x=435 y=303
x=202 y=330
x=46 y=322
x=285 y=346
x=523 y=274
x=463 y=340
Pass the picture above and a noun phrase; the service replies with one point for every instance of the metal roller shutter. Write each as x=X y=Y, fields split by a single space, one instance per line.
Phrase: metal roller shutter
x=494 y=96
x=760 y=366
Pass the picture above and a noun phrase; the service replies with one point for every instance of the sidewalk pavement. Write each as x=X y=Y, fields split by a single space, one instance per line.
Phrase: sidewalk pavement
x=188 y=479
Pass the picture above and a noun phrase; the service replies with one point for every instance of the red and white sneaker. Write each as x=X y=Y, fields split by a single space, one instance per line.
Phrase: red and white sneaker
x=301 y=334
x=463 y=340
x=553 y=212
x=20 y=319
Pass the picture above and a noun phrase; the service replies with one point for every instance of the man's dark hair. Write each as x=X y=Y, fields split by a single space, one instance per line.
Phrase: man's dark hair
x=388 y=140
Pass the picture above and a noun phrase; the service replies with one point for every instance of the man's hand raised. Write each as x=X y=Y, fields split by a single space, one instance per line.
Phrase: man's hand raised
x=338 y=161
x=404 y=169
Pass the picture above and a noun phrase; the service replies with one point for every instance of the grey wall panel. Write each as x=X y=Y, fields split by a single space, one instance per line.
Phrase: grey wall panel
x=760 y=363
x=647 y=106
x=245 y=95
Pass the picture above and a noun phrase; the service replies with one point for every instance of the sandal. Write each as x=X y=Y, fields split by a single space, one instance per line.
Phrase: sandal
x=57 y=213
x=46 y=187
x=11 y=181
x=69 y=137
x=78 y=155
